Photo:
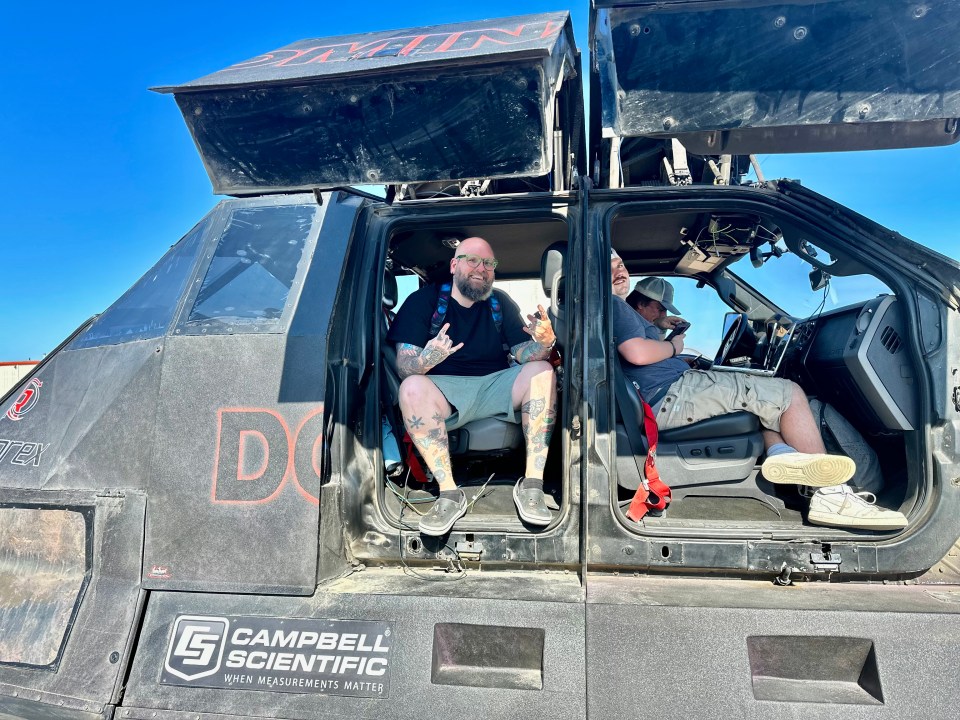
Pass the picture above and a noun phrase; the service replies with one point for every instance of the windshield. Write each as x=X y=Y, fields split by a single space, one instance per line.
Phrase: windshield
x=785 y=281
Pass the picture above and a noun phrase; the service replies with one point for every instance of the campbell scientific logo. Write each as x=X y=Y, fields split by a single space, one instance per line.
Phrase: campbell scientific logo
x=196 y=646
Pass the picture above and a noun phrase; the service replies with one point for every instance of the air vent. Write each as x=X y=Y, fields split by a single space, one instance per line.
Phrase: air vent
x=890 y=340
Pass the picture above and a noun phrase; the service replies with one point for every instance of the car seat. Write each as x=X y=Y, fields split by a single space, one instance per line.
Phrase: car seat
x=489 y=436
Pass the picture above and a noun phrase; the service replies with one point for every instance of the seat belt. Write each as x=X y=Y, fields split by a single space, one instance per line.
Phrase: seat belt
x=652 y=493
x=413 y=462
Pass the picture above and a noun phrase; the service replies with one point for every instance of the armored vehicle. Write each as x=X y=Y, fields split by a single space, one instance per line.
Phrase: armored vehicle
x=201 y=514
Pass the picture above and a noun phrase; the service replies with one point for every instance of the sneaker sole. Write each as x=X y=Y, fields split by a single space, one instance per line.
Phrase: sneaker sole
x=832 y=520
x=820 y=471
x=523 y=516
x=438 y=532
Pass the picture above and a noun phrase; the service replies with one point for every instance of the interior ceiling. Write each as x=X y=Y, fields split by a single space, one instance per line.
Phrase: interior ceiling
x=648 y=243
x=518 y=246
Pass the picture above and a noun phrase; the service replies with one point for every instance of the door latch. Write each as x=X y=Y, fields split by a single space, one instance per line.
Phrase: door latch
x=826 y=561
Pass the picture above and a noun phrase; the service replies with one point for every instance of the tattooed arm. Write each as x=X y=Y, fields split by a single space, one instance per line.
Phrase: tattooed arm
x=413 y=360
x=541 y=330
x=530 y=350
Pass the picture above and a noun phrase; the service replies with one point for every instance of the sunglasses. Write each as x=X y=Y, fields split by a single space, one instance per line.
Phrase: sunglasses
x=475 y=260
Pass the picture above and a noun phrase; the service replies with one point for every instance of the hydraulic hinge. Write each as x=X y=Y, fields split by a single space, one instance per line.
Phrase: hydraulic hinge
x=825 y=560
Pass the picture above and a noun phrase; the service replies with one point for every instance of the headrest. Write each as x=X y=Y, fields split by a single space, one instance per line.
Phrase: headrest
x=390 y=291
x=551 y=266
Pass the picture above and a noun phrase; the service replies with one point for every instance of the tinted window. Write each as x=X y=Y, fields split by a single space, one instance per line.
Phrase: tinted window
x=249 y=279
x=146 y=309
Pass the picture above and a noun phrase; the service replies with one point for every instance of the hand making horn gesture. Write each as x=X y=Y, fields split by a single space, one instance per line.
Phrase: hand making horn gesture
x=439 y=348
x=540 y=328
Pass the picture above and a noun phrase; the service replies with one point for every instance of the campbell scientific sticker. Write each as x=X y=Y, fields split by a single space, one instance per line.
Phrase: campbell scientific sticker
x=298 y=655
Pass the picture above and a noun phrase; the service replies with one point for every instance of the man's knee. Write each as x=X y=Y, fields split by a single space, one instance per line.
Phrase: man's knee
x=538 y=373
x=417 y=390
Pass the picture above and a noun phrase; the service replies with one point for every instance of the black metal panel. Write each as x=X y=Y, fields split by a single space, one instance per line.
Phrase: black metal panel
x=781 y=76
x=239 y=441
x=548 y=606
x=449 y=102
x=93 y=409
x=715 y=648
x=90 y=671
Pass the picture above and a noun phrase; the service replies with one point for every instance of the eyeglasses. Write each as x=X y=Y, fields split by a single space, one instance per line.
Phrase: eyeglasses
x=475 y=260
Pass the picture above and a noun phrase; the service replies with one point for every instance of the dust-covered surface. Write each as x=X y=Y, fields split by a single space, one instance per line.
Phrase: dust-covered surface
x=42 y=567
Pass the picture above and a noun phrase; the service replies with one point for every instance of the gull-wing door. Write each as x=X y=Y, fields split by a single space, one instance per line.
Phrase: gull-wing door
x=481 y=100
x=741 y=77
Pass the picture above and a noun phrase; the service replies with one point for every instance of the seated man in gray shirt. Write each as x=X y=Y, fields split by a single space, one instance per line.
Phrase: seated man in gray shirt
x=795 y=453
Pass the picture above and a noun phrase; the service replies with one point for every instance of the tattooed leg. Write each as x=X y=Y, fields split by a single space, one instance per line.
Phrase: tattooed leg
x=536 y=386
x=424 y=410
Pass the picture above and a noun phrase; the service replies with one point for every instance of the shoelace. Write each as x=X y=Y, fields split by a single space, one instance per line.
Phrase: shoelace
x=864 y=496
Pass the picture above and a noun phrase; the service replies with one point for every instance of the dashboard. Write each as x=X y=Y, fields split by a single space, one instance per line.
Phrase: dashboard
x=854 y=358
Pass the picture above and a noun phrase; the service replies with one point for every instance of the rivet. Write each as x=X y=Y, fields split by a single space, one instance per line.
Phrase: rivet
x=800 y=33
x=634 y=30
x=668 y=122
x=780 y=21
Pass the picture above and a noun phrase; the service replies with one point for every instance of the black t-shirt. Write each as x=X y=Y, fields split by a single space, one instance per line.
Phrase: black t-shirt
x=482 y=352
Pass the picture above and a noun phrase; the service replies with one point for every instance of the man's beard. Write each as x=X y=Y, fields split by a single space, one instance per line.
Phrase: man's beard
x=476 y=294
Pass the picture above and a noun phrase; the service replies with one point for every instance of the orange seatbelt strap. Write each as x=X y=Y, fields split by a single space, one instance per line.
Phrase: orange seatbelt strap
x=652 y=493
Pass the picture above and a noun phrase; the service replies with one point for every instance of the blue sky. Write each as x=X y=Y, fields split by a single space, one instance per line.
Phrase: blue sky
x=100 y=175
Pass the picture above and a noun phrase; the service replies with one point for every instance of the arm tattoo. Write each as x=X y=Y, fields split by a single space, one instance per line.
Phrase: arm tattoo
x=414 y=360
x=408 y=360
x=530 y=350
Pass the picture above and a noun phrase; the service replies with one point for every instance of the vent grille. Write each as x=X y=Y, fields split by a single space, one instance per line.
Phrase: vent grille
x=891 y=340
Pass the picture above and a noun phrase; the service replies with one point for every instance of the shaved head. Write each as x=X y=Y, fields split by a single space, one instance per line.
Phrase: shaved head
x=472 y=283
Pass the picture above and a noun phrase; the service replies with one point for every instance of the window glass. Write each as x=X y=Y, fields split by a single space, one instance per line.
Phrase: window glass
x=146 y=309
x=785 y=281
x=703 y=309
x=249 y=278
x=43 y=567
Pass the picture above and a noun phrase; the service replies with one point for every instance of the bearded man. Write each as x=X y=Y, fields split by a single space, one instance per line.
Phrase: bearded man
x=463 y=373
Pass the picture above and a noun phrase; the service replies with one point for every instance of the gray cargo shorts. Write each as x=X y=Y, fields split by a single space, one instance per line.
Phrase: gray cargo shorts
x=702 y=394
x=473 y=398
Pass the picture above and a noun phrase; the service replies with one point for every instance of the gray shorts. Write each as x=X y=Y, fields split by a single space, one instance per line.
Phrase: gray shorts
x=473 y=398
x=702 y=394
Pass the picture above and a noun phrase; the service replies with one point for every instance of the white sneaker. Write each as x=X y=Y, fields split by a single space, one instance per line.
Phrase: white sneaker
x=842 y=507
x=814 y=469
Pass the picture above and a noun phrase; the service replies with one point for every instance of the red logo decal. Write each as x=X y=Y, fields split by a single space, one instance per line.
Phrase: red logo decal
x=28 y=398
x=159 y=572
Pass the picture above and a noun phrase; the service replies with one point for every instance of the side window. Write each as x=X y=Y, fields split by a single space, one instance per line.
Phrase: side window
x=146 y=309
x=703 y=309
x=252 y=271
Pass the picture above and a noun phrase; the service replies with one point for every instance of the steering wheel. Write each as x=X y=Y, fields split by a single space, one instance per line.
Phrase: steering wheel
x=732 y=337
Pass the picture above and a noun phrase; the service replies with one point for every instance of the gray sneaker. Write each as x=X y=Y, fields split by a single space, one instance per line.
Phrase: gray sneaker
x=531 y=505
x=842 y=507
x=441 y=517
x=814 y=469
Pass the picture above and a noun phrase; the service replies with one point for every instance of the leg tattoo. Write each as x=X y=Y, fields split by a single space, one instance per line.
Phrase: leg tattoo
x=434 y=447
x=538 y=430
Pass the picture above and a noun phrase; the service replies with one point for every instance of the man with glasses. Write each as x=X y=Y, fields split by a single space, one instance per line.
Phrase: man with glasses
x=795 y=453
x=462 y=373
